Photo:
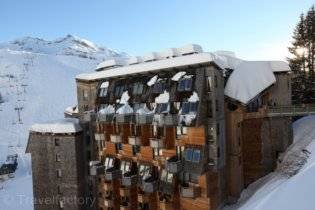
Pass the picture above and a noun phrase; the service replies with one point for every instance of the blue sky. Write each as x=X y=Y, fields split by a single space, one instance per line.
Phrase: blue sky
x=254 y=29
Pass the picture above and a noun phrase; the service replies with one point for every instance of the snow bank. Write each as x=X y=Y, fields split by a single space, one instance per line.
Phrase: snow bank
x=110 y=109
x=67 y=125
x=163 y=98
x=248 y=80
x=194 y=97
x=178 y=75
x=152 y=81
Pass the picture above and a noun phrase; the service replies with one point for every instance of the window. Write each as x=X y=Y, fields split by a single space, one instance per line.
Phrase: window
x=159 y=87
x=85 y=95
x=209 y=84
x=189 y=107
x=196 y=156
x=215 y=81
x=57 y=142
x=185 y=84
x=162 y=108
x=59 y=189
x=218 y=129
x=163 y=175
x=103 y=92
x=58 y=157
x=217 y=105
x=189 y=154
x=59 y=173
x=170 y=177
x=125 y=166
x=137 y=88
x=119 y=89
x=61 y=204
x=109 y=162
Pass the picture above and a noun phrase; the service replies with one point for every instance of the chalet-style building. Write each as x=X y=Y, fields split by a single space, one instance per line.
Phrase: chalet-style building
x=178 y=129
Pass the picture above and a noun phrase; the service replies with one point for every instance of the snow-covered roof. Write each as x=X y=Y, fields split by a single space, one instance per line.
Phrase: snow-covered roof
x=157 y=65
x=68 y=125
x=111 y=63
x=248 y=80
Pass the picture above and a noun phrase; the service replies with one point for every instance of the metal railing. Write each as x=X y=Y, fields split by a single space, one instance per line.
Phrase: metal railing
x=291 y=111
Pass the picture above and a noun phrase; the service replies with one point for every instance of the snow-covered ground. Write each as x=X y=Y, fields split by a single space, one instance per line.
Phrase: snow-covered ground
x=37 y=79
x=282 y=189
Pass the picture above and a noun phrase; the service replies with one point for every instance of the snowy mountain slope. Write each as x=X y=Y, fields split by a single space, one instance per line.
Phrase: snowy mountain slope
x=37 y=81
x=282 y=189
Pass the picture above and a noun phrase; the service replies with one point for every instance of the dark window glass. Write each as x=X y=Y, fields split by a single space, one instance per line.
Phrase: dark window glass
x=137 y=88
x=161 y=108
x=103 y=92
x=57 y=142
x=193 y=107
x=189 y=154
x=196 y=156
x=159 y=87
x=185 y=85
x=185 y=108
x=119 y=91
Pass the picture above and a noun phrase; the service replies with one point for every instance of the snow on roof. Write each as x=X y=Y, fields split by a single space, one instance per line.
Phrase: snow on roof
x=169 y=53
x=150 y=66
x=134 y=60
x=248 y=80
x=72 y=110
x=190 y=49
x=111 y=63
x=152 y=56
x=68 y=125
x=279 y=66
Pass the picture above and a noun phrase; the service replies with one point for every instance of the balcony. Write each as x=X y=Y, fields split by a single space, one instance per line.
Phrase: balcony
x=171 y=120
x=99 y=136
x=125 y=206
x=190 y=191
x=124 y=192
x=112 y=174
x=150 y=185
x=105 y=117
x=134 y=140
x=115 y=138
x=129 y=181
x=156 y=143
x=109 y=203
x=143 y=198
x=96 y=168
x=124 y=118
x=174 y=165
x=164 y=205
x=144 y=119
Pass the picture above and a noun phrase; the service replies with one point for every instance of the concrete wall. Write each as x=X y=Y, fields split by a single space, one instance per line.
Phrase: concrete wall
x=46 y=183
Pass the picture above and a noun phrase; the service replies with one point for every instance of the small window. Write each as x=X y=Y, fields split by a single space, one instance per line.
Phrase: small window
x=186 y=108
x=170 y=177
x=196 y=157
x=59 y=173
x=57 y=142
x=209 y=84
x=216 y=81
x=163 y=175
x=189 y=154
x=61 y=204
x=159 y=87
x=59 y=189
x=137 y=88
x=218 y=129
x=103 y=92
x=119 y=91
x=185 y=84
x=58 y=157
x=162 y=108
x=217 y=105
x=85 y=94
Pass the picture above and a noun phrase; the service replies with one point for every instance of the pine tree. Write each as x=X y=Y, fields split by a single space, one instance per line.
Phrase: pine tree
x=303 y=60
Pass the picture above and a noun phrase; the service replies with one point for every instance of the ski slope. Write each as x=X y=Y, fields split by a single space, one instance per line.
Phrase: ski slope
x=37 y=82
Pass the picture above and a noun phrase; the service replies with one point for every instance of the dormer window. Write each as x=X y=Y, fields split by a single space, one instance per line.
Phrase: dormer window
x=137 y=88
x=185 y=84
x=144 y=171
x=159 y=87
x=162 y=108
x=119 y=89
x=103 y=89
x=189 y=107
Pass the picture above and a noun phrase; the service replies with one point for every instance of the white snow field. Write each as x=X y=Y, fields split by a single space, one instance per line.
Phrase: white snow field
x=37 y=79
x=282 y=189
